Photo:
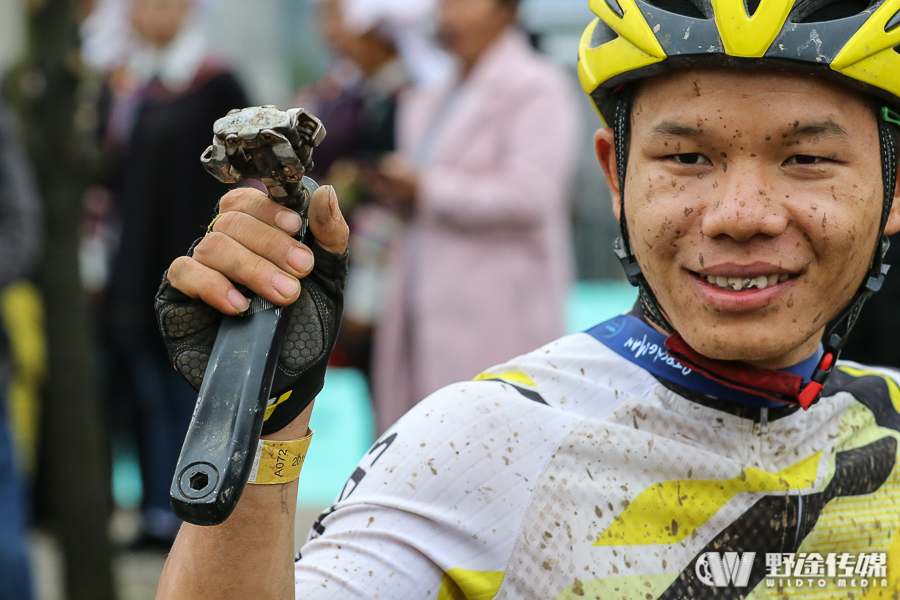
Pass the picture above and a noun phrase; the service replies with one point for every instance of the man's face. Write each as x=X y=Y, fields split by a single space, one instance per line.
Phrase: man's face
x=331 y=24
x=762 y=176
x=159 y=21
x=368 y=50
x=468 y=27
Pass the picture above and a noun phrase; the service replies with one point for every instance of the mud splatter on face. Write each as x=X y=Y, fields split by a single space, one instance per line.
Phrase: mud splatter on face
x=715 y=235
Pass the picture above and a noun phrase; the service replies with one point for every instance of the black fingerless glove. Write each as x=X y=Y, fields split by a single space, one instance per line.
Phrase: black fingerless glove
x=189 y=328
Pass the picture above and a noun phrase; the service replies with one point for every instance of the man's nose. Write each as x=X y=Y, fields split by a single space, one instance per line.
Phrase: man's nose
x=745 y=206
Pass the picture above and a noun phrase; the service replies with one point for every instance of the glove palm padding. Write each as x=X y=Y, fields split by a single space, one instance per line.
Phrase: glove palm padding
x=189 y=328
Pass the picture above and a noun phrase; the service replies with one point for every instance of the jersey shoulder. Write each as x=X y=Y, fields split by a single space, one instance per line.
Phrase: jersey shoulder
x=875 y=388
x=575 y=374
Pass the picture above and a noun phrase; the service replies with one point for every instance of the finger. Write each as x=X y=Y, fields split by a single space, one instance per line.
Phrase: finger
x=210 y=286
x=270 y=243
x=258 y=205
x=225 y=255
x=326 y=222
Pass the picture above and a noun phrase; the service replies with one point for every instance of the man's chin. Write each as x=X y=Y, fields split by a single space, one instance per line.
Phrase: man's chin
x=757 y=349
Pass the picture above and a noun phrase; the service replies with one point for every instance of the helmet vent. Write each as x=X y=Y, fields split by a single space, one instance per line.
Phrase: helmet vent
x=602 y=34
x=685 y=8
x=893 y=24
x=614 y=6
x=819 y=11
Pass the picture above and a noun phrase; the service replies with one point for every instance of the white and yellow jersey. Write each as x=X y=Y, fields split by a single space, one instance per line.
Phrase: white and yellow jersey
x=572 y=472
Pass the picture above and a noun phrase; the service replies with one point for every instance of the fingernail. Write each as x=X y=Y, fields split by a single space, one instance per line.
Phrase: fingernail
x=288 y=221
x=333 y=204
x=300 y=259
x=238 y=300
x=286 y=286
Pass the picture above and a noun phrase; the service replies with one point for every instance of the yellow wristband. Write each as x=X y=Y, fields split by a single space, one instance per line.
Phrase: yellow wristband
x=279 y=462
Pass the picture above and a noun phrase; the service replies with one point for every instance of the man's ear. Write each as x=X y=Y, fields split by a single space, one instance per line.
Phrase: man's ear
x=604 y=145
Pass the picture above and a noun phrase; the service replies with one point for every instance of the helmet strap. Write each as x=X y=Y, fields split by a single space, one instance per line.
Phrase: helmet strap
x=622 y=247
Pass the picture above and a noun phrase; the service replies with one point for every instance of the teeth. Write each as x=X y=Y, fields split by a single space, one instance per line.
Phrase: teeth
x=737 y=284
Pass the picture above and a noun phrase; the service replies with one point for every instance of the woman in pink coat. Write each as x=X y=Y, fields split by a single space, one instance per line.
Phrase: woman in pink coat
x=483 y=170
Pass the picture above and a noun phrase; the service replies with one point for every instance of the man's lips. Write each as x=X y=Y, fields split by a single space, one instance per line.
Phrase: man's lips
x=736 y=278
x=759 y=282
x=736 y=294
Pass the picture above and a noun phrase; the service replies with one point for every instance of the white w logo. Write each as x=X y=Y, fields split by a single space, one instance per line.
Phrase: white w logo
x=717 y=569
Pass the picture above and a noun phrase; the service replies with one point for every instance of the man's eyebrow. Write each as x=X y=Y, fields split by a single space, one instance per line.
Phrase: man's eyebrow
x=826 y=128
x=669 y=129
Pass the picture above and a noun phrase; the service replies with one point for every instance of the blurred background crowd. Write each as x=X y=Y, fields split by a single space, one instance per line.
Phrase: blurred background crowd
x=461 y=149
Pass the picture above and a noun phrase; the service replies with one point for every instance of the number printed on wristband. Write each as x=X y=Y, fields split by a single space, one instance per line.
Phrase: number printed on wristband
x=279 y=462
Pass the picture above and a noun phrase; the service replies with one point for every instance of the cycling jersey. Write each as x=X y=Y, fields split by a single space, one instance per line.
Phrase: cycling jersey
x=576 y=472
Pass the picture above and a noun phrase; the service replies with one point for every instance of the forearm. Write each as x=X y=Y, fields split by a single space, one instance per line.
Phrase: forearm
x=251 y=555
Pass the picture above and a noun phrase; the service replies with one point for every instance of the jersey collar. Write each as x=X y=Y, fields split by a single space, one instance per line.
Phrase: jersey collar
x=639 y=343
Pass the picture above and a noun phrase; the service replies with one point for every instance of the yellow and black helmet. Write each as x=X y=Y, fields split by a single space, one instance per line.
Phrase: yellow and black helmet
x=856 y=42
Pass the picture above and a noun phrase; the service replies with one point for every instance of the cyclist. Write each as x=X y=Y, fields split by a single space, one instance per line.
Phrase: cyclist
x=751 y=152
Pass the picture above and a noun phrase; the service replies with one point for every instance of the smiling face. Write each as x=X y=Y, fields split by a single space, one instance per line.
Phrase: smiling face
x=753 y=202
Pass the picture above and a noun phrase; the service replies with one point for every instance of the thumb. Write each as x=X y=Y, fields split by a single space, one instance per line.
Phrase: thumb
x=326 y=223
